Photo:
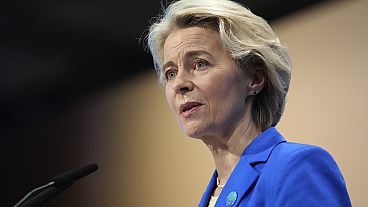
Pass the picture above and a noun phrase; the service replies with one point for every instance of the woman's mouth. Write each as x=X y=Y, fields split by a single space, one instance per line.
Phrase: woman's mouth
x=189 y=108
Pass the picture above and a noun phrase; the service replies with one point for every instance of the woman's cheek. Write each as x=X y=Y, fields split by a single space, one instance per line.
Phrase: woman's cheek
x=170 y=100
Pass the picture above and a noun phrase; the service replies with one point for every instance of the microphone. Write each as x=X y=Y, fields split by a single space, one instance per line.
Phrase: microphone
x=55 y=186
x=72 y=175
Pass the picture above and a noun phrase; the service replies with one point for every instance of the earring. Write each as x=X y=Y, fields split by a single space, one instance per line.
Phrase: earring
x=254 y=93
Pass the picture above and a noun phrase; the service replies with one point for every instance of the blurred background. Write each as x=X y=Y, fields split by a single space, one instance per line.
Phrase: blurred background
x=78 y=87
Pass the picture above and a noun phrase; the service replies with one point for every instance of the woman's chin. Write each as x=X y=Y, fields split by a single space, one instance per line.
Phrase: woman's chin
x=196 y=134
x=195 y=128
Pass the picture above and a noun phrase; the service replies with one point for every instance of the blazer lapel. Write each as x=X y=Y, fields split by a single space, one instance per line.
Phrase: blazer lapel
x=240 y=180
x=245 y=173
x=207 y=194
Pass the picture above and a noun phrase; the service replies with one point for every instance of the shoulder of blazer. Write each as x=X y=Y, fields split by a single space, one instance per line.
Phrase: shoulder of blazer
x=305 y=174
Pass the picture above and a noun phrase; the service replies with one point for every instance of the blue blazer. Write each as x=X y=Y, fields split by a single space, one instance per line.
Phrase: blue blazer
x=275 y=173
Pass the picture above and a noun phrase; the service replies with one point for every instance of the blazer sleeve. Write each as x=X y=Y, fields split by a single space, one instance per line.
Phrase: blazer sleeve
x=309 y=176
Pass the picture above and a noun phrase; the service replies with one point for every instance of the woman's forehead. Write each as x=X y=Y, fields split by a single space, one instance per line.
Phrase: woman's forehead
x=191 y=39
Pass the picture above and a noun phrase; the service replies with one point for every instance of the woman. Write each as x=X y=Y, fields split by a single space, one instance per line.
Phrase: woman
x=226 y=75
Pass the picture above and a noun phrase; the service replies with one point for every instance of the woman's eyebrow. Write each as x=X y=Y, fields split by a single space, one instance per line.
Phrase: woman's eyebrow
x=166 y=65
x=194 y=53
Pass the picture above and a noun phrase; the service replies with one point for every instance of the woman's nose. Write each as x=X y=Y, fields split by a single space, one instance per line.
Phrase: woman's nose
x=183 y=83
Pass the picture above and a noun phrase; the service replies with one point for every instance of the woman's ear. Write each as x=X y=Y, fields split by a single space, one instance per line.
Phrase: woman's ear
x=257 y=81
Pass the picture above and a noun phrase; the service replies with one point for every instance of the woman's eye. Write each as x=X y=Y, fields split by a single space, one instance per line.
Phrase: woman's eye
x=200 y=64
x=170 y=74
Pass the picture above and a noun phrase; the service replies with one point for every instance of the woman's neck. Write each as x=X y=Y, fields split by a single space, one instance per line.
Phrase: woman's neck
x=227 y=151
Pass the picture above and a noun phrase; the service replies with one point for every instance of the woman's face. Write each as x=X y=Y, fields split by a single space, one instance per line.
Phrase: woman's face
x=205 y=89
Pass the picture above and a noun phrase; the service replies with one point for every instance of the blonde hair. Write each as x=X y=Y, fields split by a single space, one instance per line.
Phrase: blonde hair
x=246 y=37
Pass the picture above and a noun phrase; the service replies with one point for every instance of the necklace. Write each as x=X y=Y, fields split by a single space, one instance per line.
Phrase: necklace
x=218 y=183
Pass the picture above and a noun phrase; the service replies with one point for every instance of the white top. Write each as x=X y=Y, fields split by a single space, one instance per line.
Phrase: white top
x=212 y=201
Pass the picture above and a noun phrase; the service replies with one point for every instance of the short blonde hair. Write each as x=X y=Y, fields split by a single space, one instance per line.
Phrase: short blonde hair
x=246 y=37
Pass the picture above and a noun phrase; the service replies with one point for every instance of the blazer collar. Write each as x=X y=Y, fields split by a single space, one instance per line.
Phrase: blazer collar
x=244 y=175
x=260 y=149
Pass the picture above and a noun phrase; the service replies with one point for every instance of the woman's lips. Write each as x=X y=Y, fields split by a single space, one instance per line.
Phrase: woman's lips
x=189 y=108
